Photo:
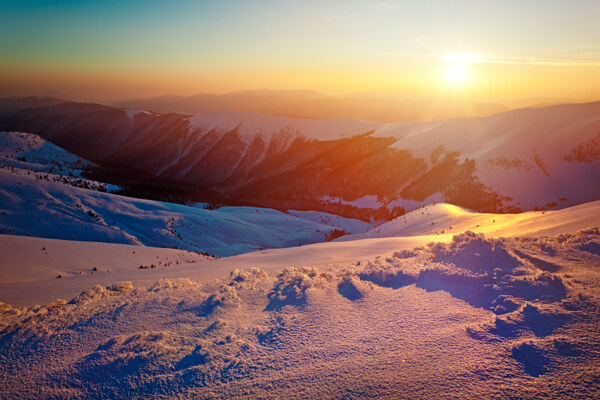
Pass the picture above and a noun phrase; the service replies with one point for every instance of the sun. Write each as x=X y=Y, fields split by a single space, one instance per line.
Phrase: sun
x=457 y=72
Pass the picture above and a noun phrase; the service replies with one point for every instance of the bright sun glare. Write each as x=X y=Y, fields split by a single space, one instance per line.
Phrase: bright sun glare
x=457 y=72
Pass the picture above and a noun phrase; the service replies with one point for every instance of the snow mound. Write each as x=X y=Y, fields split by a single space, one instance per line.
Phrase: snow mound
x=393 y=275
x=225 y=297
x=99 y=292
x=172 y=284
x=241 y=278
x=352 y=288
x=293 y=283
x=474 y=252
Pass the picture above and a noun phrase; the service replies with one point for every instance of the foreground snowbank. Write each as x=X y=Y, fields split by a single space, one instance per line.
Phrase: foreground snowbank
x=472 y=318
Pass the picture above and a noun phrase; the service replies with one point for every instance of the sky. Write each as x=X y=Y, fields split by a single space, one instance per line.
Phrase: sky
x=111 y=50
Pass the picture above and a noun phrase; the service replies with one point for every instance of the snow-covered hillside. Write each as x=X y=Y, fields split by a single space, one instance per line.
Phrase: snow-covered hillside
x=444 y=219
x=29 y=151
x=380 y=243
x=32 y=207
x=534 y=156
x=30 y=155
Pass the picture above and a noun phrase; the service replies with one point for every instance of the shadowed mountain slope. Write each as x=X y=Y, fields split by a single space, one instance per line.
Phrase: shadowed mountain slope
x=518 y=160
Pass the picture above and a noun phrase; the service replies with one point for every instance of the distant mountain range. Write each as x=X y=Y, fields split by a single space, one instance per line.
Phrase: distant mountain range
x=517 y=160
x=311 y=104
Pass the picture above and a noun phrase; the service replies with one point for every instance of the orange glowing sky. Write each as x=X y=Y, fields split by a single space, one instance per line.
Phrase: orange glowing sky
x=99 y=50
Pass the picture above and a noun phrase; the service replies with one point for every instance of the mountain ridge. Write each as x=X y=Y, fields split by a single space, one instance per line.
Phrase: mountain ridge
x=294 y=163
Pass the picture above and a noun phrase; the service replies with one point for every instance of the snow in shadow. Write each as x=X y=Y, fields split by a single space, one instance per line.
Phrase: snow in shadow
x=348 y=289
x=538 y=262
x=534 y=359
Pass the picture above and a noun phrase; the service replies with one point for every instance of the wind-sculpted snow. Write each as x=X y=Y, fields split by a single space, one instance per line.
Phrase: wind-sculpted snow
x=472 y=318
x=293 y=283
x=98 y=292
x=475 y=252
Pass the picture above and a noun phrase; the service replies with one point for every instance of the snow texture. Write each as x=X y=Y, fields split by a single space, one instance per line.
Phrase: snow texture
x=471 y=318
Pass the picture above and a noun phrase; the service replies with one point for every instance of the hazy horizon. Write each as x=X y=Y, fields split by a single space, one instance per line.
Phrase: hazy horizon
x=112 y=52
x=374 y=106
x=367 y=94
